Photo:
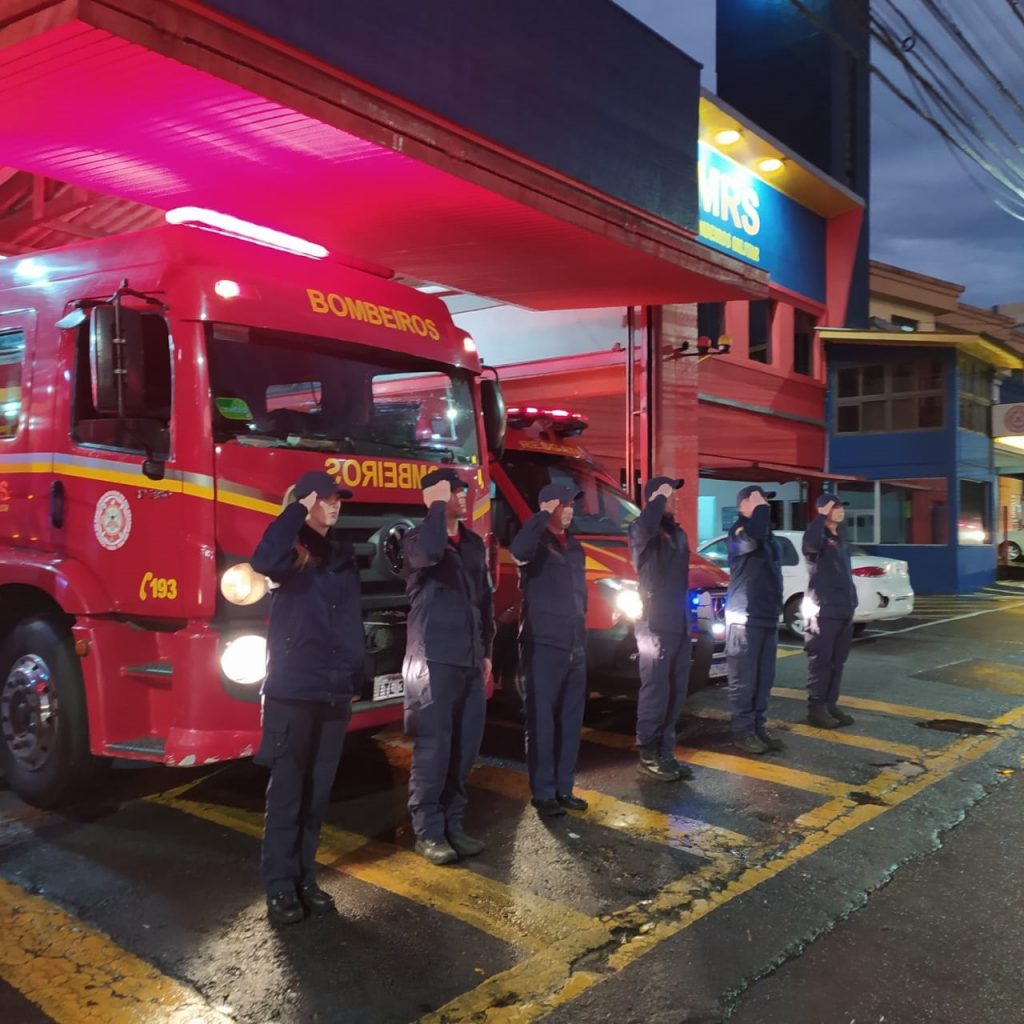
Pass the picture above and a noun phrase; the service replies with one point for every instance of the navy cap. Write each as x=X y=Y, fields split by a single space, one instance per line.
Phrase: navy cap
x=558 y=492
x=824 y=498
x=323 y=483
x=436 y=476
x=659 y=481
x=751 y=490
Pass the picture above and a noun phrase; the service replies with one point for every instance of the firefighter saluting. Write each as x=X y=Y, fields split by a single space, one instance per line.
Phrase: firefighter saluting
x=315 y=651
x=753 y=607
x=553 y=631
x=661 y=556
x=450 y=631
x=828 y=612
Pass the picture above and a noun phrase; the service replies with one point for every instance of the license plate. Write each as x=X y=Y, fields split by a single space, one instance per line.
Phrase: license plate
x=386 y=687
x=718 y=669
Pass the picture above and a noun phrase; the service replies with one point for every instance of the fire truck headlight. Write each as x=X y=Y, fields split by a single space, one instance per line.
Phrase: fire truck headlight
x=718 y=630
x=244 y=659
x=242 y=584
x=626 y=599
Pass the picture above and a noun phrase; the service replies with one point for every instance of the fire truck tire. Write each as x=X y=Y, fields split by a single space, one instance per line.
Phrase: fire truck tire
x=44 y=733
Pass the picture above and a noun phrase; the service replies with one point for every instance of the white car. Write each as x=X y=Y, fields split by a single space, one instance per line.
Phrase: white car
x=883 y=584
x=1014 y=545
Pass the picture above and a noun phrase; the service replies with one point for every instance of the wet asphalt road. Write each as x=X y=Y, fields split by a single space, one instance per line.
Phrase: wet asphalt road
x=867 y=873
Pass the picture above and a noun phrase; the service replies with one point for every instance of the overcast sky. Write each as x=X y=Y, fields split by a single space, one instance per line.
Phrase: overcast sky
x=927 y=212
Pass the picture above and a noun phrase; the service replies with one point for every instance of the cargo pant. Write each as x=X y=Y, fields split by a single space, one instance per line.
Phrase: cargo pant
x=302 y=742
x=827 y=643
x=445 y=708
x=664 y=660
x=750 y=654
x=556 y=696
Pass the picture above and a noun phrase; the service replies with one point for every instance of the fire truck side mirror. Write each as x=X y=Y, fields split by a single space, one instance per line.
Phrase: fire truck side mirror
x=492 y=404
x=115 y=362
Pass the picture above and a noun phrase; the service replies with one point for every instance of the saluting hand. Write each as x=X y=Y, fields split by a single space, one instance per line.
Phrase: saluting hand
x=441 y=491
x=664 y=491
x=309 y=501
x=550 y=506
x=826 y=510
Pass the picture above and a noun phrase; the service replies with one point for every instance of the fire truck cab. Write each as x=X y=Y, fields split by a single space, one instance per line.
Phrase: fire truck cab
x=543 y=446
x=159 y=394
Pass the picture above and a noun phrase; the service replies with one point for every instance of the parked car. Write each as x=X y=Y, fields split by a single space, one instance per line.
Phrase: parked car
x=883 y=584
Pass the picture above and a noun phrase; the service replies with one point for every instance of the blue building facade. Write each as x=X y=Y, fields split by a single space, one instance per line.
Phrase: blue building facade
x=912 y=421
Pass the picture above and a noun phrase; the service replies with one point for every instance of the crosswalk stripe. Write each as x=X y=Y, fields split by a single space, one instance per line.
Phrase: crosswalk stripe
x=78 y=975
x=561 y=974
x=763 y=771
x=677 y=831
x=884 y=707
x=508 y=913
x=842 y=737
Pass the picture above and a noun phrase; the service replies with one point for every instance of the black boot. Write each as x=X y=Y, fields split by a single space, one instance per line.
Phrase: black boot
x=284 y=908
x=314 y=899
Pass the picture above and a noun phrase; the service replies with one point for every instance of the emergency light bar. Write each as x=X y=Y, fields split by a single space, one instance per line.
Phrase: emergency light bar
x=237 y=228
x=561 y=421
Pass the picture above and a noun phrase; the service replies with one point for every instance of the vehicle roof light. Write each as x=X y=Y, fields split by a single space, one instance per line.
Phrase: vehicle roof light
x=469 y=344
x=238 y=228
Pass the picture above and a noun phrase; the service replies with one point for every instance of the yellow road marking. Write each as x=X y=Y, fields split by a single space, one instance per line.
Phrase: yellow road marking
x=689 y=835
x=903 y=710
x=508 y=913
x=538 y=986
x=839 y=736
x=77 y=975
x=763 y=771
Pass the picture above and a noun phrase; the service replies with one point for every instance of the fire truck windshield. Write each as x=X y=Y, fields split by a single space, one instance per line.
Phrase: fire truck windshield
x=270 y=386
x=603 y=510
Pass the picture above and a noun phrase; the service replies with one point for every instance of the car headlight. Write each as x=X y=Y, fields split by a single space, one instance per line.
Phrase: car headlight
x=626 y=600
x=242 y=584
x=244 y=659
x=718 y=629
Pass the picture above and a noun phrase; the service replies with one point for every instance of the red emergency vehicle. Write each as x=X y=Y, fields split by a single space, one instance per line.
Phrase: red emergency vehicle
x=543 y=446
x=159 y=392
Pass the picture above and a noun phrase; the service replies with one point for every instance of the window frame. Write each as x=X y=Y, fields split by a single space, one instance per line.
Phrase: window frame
x=886 y=397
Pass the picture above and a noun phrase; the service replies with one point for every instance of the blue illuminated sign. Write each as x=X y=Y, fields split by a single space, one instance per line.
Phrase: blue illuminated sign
x=743 y=215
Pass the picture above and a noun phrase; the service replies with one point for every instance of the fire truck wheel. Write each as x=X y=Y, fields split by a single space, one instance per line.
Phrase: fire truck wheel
x=44 y=735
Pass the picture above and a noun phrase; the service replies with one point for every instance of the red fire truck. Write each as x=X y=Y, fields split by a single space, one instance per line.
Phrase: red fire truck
x=543 y=446
x=159 y=392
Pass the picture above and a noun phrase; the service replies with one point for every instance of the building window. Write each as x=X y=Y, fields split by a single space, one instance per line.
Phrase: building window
x=711 y=320
x=12 y=356
x=975 y=378
x=904 y=323
x=803 y=343
x=974 y=524
x=904 y=512
x=760 y=331
x=887 y=397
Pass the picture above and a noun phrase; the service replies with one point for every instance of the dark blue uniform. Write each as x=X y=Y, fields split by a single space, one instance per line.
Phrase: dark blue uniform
x=450 y=632
x=831 y=591
x=315 y=654
x=661 y=556
x=552 y=641
x=753 y=607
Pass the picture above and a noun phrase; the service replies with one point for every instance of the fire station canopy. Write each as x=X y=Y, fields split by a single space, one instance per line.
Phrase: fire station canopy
x=253 y=109
x=723 y=467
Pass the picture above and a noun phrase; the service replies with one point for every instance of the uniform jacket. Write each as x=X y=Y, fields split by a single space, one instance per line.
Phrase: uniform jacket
x=755 y=567
x=552 y=578
x=831 y=585
x=316 y=645
x=661 y=556
x=451 y=609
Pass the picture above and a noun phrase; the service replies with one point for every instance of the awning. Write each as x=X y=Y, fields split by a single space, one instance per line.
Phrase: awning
x=724 y=467
x=981 y=348
x=169 y=105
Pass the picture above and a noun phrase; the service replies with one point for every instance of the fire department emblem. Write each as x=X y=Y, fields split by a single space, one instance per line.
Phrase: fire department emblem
x=113 y=520
x=1015 y=419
